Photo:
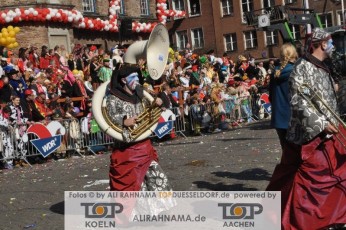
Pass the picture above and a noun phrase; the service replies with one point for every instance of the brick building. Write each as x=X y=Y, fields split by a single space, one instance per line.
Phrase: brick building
x=57 y=33
x=222 y=26
x=208 y=24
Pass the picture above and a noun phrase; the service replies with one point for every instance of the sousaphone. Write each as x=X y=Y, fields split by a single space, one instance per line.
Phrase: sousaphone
x=155 y=51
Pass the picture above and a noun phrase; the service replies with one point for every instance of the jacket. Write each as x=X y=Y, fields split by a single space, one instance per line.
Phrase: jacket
x=309 y=118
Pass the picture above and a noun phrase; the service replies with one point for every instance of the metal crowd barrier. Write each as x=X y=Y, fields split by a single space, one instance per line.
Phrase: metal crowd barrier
x=92 y=141
x=78 y=138
x=234 y=110
x=179 y=123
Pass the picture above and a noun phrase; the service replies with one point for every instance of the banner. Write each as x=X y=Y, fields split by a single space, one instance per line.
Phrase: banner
x=172 y=210
x=165 y=123
x=48 y=137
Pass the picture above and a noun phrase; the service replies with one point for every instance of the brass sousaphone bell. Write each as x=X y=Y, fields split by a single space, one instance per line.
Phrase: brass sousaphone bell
x=155 y=51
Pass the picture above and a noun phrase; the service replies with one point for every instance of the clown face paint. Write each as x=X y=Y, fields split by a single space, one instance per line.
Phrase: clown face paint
x=132 y=81
x=330 y=48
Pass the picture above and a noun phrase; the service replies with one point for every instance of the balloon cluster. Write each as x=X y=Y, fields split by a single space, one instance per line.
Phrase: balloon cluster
x=163 y=12
x=8 y=37
x=77 y=19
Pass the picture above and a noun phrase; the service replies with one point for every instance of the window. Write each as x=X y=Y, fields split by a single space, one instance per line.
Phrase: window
x=326 y=19
x=144 y=7
x=340 y=18
x=250 y=38
x=290 y=1
x=227 y=7
x=197 y=38
x=271 y=38
x=88 y=6
x=122 y=7
x=268 y=3
x=247 y=6
x=181 y=39
x=295 y=29
x=230 y=42
x=194 y=7
x=178 y=5
x=168 y=8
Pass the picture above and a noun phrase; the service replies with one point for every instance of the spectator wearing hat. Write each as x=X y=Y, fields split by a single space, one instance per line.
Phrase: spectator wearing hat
x=42 y=107
x=17 y=82
x=29 y=108
x=194 y=77
x=117 y=60
x=93 y=51
x=105 y=72
x=69 y=109
x=5 y=66
x=94 y=68
x=242 y=65
x=25 y=104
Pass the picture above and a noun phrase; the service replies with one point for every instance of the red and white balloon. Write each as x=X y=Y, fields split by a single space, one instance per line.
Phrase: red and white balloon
x=77 y=19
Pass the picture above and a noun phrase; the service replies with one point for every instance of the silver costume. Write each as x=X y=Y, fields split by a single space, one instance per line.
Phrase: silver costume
x=118 y=110
x=306 y=121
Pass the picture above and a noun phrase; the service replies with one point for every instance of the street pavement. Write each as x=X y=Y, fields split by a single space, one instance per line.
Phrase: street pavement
x=240 y=159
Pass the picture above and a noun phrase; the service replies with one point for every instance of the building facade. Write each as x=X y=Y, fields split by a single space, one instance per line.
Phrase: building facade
x=54 y=32
x=222 y=25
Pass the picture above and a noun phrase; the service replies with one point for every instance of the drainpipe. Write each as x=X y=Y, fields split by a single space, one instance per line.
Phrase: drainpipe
x=308 y=26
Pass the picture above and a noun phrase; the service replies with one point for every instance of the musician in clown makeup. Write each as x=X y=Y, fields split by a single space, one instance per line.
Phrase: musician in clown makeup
x=134 y=165
x=312 y=174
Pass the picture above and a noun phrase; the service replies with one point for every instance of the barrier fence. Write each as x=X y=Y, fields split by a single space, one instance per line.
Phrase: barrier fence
x=76 y=136
x=234 y=110
x=81 y=136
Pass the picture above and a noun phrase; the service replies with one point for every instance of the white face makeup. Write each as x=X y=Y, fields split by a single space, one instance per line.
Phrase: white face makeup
x=330 y=48
x=132 y=81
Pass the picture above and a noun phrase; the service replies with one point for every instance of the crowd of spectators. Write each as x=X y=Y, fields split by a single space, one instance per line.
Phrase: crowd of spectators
x=38 y=85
